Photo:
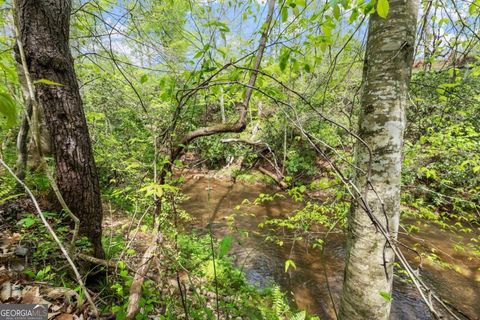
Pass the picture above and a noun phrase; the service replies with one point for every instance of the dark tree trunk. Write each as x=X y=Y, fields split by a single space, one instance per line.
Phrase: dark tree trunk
x=44 y=31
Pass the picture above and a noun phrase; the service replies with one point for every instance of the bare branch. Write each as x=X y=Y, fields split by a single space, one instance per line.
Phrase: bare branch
x=241 y=123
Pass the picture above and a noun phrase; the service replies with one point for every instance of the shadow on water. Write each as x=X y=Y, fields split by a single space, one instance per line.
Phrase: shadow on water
x=214 y=201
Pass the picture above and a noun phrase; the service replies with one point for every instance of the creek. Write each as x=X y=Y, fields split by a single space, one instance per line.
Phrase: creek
x=214 y=201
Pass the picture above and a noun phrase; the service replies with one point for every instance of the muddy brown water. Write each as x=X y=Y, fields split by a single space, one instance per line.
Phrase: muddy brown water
x=212 y=200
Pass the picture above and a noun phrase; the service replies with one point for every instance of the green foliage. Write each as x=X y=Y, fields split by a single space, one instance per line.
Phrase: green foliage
x=8 y=109
x=38 y=181
x=47 y=82
x=113 y=246
x=289 y=263
x=300 y=223
x=298 y=162
x=382 y=8
x=27 y=221
x=225 y=246
x=7 y=189
x=442 y=163
x=386 y=295
x=44 y=274
x=194 y=256
x=8 y=77
x=46 y=262
x=146 y=90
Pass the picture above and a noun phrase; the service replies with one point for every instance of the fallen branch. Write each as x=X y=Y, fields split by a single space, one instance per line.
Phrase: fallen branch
x=109 y=264
x=136 y=287
x=277 y=177
x=278 y=180
x=100 y=262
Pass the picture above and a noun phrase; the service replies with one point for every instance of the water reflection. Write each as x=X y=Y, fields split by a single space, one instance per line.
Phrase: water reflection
x=215 y=201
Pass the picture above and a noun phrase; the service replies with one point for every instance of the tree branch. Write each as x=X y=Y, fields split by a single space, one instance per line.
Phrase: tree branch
x=241 y=123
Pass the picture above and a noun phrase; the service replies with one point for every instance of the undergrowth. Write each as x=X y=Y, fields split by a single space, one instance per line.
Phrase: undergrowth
x=204 y=281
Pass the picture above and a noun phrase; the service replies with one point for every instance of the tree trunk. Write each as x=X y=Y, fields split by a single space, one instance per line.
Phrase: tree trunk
x=387 y=68
x=44 y=31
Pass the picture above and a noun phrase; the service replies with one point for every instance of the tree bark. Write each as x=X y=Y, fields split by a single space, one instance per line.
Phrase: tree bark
x=387 y=68
x=44 y=30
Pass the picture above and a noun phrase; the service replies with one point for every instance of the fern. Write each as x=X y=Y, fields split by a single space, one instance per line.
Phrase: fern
x=278 y=302
x=7 y=188
x=302 y=315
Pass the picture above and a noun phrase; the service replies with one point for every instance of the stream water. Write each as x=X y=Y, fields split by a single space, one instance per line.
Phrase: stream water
x=263 y=262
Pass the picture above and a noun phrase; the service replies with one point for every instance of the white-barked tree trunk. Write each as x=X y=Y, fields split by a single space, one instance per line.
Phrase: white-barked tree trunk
x=388 y=61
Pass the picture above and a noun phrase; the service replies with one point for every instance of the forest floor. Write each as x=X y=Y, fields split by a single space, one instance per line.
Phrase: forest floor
x=127 y=237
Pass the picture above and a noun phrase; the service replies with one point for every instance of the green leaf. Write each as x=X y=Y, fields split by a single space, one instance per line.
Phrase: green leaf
x=299 y=316
x=289 y=263
x=336 y=12
x=472 y=8
x=307 y=68
x=284 y=60
x=301 y=3
x=121 y=265
x=353 y=16
x=29 y=273
x=284 y=14
x=198 y=54
x=144 y=78
x=8 y=109
x=369 y=8
x=327 y=30
x=47 y=82
x=387 y=296
x=222 y=26
x=13 y=196
x=43 y=273
x=225 y=246
x=27 y=222
x=382 y=8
